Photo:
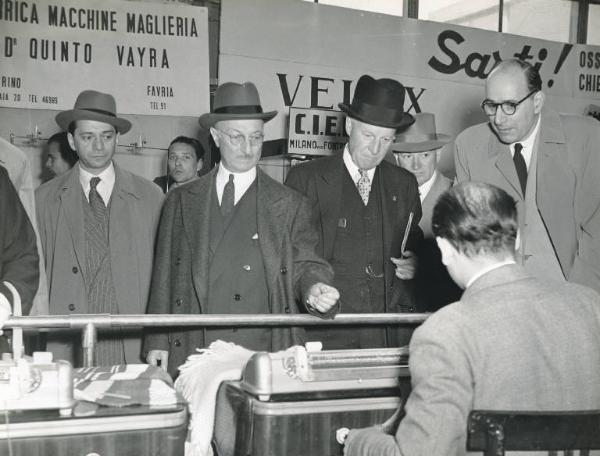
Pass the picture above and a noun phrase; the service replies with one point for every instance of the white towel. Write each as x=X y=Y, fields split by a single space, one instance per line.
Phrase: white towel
x=199 y=381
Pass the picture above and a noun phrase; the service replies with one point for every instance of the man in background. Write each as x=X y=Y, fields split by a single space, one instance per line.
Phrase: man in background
x=97 y=224
x=418 y=150
x=19 y=272
x=61 y=158
x=236 y=241
x=513 y=341
x=549 y=163
x=364 y=205
x=185 y=159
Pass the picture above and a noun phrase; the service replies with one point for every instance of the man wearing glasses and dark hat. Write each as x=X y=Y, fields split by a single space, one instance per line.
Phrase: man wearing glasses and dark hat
x=236 y=241
x=366 y=205
x=549 y=163
x=97 y=224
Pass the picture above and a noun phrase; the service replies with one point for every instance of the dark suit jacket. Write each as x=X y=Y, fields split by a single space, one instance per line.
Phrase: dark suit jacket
x=18 y=250
x=513 y=342
x=321 y=181
x=287 y=241
x=568 y=168
x=162 y=182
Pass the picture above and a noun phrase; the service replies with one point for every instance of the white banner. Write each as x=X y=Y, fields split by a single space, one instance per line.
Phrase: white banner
x=153 y=58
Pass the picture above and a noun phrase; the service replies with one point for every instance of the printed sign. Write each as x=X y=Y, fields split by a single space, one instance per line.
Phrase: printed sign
x=316 y=131
x=153 y=58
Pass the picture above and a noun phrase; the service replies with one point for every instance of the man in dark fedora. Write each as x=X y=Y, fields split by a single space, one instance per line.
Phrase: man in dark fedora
x=418 y=150
x=97 y=225
x=364 y=205
x=236 y=241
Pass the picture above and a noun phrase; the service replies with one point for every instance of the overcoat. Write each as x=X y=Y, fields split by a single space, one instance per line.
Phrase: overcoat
x=287 y=241
x=134 y=210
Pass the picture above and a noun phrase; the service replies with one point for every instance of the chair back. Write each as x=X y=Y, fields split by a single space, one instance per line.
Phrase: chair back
x=495 y=432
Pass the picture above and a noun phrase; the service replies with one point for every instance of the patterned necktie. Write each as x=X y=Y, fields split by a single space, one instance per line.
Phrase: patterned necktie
x=520 y=166
x=228 y=199
x=96 y=202
x=364 y=186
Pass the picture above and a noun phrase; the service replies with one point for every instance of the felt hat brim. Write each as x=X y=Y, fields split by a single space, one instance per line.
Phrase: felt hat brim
x=64 y=119
x=404 y=121
x=436 y=142
x=210 y=119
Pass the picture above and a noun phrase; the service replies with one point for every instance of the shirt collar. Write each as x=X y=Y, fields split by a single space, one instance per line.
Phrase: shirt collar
x=353 y=169
x=527 y=143
x=487 y=269
x=242 y=181
x=106 y=185
x=426 y=187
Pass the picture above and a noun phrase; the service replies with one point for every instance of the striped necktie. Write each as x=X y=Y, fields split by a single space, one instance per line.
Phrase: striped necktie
x=364 y=186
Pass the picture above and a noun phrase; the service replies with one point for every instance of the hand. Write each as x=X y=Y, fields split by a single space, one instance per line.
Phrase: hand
x=322 y=297
x=154 y=356
x=5 y=311
x=406 y=266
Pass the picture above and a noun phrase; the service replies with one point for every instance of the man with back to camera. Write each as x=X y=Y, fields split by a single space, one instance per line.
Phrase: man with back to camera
x=549 y=163
x=489 y=351
x=364 y=204
x=235 y=241
x=418 y=149
x=97 y=224
x=185 y=159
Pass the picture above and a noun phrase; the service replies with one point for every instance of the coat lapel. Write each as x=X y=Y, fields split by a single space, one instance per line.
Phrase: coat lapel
x=71 y=204
x=271 y=209
x=329 y=193
x=195 y=215
x=501 y=157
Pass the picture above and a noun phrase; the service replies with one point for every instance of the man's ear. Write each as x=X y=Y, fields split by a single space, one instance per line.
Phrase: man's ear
x=215 y=135
x=348 y=125
x=447 y=250
x=199 y=165
x=71 y=141
x=538 y=101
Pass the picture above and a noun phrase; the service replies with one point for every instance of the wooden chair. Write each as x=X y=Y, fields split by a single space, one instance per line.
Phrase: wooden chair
x=495 y=432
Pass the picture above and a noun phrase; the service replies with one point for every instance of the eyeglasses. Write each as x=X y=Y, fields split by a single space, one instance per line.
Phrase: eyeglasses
x=237 y=139
x=508 y=107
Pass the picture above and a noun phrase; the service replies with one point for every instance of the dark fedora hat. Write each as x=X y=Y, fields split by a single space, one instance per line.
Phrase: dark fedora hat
x=235 y=101
x=92 y=105
x=420 y=136
x=378 y=102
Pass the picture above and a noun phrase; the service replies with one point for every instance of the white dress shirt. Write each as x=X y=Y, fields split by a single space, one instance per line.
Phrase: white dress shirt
x=486 y=270
x=424 y=189
x=527 y=144
x=104 y=187
x=241 y=181
x=353 y=169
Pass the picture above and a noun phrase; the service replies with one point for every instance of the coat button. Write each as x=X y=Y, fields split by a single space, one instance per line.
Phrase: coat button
x=178 y=261
x=177 y=343
x=283 y=270
x=287 y=310
x=71 y=307
x=75 y=270
x=237 y=296
x=178 y=301
x=246 y=267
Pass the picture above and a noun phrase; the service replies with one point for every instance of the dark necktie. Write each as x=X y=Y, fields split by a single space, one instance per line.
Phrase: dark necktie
x=228 y=199
x=520 y=166
x=96 y=202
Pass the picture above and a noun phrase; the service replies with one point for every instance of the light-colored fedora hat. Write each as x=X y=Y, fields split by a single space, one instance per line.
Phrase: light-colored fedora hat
x=93 y=105
x=420 y=136
x=235 y=101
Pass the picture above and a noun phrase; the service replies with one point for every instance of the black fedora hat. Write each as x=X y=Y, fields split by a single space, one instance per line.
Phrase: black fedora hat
x=235 y=101
x=378 y=102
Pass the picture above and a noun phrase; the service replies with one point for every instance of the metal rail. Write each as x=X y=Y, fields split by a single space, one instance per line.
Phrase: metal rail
x=89 y=324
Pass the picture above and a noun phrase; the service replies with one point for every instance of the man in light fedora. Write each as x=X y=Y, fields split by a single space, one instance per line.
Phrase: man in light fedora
x=418 y=150
x=97 y=226
x=364 y=206
x=236 y=241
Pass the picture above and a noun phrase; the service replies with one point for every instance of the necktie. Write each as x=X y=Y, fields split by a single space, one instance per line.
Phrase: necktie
x=228 y=199
x=520 y=166
x=96 y=202
x=364 y=186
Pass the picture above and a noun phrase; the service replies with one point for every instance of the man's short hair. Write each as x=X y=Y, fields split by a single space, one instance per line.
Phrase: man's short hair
x=198 y=149
x=532 y=75
x=64 y=148
x=477 y=219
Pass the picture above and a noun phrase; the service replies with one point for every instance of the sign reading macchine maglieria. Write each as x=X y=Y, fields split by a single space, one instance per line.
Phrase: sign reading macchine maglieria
x=153 y=58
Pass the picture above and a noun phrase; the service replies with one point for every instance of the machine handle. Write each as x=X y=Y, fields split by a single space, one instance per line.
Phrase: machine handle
x=341 y=434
